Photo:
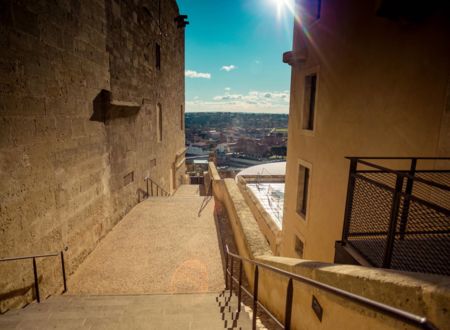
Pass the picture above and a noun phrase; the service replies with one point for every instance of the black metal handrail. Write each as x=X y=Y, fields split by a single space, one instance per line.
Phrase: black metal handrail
x=196 y=179
x=390 y=213
x=404 y=316
x=35 y=272
x=159 y=191
x=403 y=174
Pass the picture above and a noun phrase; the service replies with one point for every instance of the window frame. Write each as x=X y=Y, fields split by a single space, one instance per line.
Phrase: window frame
x=158 y=56
x=305 y=199
x=159 y=123
x=302 y=241
x=309 y=18
x=182 y=118
x=309 y=104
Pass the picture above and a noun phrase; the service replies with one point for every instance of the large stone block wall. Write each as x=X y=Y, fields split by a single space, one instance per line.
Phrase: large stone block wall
x=67 y=176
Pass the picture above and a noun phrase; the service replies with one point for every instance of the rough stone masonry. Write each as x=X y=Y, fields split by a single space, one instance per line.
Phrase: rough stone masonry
x=91 y=103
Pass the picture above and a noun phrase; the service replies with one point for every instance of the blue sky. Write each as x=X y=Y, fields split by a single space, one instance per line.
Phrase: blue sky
x=234 y=55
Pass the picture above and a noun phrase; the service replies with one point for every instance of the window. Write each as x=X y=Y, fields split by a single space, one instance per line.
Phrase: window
x=181 y=118
x=299 y=247
x=129 y=178
x=406 y=10
x=309 y=101
x=158 y=56
x=303 y=187
x=447 y=103
x=160 y=123
x=312 y=9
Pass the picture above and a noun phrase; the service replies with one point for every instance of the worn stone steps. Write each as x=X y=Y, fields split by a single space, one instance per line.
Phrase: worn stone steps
x=163 y=246
x=228 y=306
x=180 y=311
x=188 y=190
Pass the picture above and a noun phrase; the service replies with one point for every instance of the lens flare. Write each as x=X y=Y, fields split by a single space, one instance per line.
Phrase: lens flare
x=283 y=5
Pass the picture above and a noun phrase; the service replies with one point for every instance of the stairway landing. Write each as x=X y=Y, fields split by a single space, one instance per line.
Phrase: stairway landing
x=163 y=245
x=181 y=311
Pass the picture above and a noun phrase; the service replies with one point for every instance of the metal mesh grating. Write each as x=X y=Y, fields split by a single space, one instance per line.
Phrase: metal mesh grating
x=369 y=202
x=421 y=237
x=433 y=194
x=425 y=245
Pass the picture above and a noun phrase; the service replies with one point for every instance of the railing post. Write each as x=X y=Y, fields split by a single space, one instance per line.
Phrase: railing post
x=349 y=200
x=226 y=270
x=146 y=179
x=255 y=296
x=63 y=269
x=408 y=192
x=288 y=311
x=389 y=248
x=240 y=286
x=231 y=278
x=36 y=280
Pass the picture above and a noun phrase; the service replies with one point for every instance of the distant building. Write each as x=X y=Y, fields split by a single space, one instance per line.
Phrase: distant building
x=198 y=149
x=252 y=147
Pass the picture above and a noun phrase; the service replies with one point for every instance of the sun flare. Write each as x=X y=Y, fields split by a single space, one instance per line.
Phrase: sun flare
x=282 y=5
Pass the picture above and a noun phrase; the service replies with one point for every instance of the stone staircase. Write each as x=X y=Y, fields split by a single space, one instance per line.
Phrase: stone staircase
x=232 y=318
x=207 y=311
x=188 y=190
x=159 y=268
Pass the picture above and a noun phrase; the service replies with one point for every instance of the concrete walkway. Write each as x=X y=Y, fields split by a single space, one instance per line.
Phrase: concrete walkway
x=161 y=246
x=182 y=311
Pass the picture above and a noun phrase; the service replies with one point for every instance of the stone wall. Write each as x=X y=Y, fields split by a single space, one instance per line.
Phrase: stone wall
x=72 y=161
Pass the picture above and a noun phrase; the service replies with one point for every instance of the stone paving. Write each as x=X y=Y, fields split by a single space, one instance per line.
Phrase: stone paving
x=181 y=311
x=162 y=245
x=159 y=268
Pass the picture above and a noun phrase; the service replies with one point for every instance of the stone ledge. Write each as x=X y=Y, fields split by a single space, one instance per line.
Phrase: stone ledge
x=422 y=294
x=106 y=108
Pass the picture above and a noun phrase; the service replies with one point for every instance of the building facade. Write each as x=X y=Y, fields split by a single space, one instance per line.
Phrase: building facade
x=369 y=78
x=91 y=104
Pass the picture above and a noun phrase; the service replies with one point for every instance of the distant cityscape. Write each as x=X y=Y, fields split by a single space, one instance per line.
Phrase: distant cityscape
x=234 y=140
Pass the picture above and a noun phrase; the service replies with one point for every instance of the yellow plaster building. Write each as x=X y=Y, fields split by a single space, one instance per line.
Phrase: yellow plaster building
x=369 y=78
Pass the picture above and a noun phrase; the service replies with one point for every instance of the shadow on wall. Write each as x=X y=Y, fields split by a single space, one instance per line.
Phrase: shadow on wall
x=105 y=108
x=20 y=292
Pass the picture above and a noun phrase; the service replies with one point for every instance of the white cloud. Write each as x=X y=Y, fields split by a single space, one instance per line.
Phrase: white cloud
x=195 y=74
x=253 y=101
x=228 y=68
x=227 y=89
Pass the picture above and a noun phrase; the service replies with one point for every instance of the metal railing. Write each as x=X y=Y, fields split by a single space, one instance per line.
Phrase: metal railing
x=196 y=179
x=151 y=191
x=259 y=175
x=35 y=271
x=398 y=314
x=399 y=219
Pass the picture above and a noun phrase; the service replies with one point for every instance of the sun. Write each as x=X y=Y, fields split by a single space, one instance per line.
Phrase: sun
x=282 y=5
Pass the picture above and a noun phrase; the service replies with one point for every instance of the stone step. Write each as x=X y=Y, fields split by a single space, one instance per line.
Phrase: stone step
x=173 y=198
x=228 y=306
x=180 y=311
x=188 y=190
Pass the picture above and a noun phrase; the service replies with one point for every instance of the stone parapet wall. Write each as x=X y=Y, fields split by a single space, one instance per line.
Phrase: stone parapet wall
x=264 y=220
x=68 y=174
x=422 y=294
